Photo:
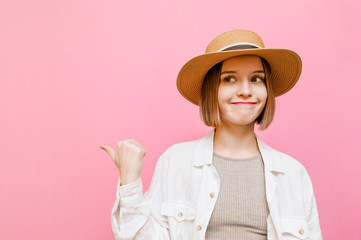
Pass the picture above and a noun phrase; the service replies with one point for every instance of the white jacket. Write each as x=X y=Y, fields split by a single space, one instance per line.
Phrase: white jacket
x=185 y=187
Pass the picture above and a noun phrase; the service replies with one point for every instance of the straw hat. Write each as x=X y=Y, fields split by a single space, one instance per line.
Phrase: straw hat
x=285 y=64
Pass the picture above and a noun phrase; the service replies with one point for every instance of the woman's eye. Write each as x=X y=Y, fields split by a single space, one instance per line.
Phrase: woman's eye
x=229 y=79
x=257 y=79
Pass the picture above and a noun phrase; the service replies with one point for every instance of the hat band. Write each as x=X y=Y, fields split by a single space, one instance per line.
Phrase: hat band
x=239 y=46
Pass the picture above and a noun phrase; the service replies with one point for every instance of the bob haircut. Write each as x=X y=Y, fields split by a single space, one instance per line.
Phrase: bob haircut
x=209 y=109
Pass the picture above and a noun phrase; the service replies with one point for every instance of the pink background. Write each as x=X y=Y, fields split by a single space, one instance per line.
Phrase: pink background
x=76 y=74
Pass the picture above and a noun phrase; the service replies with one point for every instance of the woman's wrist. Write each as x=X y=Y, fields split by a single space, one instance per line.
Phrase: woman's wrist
x=127 y=180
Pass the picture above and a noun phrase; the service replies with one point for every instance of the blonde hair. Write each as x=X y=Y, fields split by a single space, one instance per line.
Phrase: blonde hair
x=209 y=109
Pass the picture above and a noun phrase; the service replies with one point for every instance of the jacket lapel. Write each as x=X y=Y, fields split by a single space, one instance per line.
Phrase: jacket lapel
x=204 y=150
x=272 y=167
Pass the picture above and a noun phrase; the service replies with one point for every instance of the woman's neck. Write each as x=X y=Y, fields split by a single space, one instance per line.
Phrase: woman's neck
x=235 y=142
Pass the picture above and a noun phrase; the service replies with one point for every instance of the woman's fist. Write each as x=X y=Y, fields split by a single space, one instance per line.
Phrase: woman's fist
x=129 y=159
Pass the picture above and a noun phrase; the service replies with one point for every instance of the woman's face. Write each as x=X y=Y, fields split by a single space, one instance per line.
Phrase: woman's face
x=242 y=92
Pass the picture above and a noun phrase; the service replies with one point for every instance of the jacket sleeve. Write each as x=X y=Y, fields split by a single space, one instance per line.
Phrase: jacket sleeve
x=137 y=216
x=311 y=209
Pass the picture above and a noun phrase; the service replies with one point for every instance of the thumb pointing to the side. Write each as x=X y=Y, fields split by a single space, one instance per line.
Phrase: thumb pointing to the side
x=109 y=150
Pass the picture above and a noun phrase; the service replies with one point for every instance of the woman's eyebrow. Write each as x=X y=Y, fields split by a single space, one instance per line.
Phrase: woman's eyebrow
x=256 y=71
x=228 y=72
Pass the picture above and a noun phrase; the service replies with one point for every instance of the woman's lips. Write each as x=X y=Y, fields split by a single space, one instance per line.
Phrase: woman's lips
x=247 y=103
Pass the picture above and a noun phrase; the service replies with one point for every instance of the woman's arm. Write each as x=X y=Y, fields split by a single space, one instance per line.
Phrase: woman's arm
x=135 y=216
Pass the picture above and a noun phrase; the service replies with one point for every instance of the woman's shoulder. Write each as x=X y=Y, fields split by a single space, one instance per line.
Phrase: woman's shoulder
x=178 y=158
x=181 y=148
x=292 y=170
x=284 y=160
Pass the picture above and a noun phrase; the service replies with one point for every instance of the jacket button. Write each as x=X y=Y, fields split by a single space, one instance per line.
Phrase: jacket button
x=211 y=195
x=301 y=231
x=180 y=214
x=199 y=227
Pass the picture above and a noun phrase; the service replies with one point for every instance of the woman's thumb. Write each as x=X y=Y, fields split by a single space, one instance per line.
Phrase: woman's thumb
x=109 y=150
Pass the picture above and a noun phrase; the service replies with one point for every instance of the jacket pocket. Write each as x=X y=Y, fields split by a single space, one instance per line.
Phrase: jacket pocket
x=294 y=228
x=181 y=216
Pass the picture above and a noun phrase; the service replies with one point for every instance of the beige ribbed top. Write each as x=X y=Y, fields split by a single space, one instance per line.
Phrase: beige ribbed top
x=241 y=208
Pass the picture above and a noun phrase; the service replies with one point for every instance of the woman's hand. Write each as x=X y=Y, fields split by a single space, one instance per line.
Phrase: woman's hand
x=129 y=159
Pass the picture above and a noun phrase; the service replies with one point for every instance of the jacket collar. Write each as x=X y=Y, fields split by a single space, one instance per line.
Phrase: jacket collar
x=204 y=153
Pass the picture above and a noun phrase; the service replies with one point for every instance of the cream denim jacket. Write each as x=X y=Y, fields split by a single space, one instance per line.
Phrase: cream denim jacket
x=185 y=187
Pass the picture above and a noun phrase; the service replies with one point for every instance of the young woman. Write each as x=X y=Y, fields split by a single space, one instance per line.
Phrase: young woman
x=228 y=184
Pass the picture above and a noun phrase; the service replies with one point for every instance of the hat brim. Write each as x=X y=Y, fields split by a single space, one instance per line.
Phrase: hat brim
x=285 y=64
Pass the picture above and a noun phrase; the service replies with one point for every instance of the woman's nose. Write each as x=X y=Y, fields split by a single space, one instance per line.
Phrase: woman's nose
x=243 y=89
